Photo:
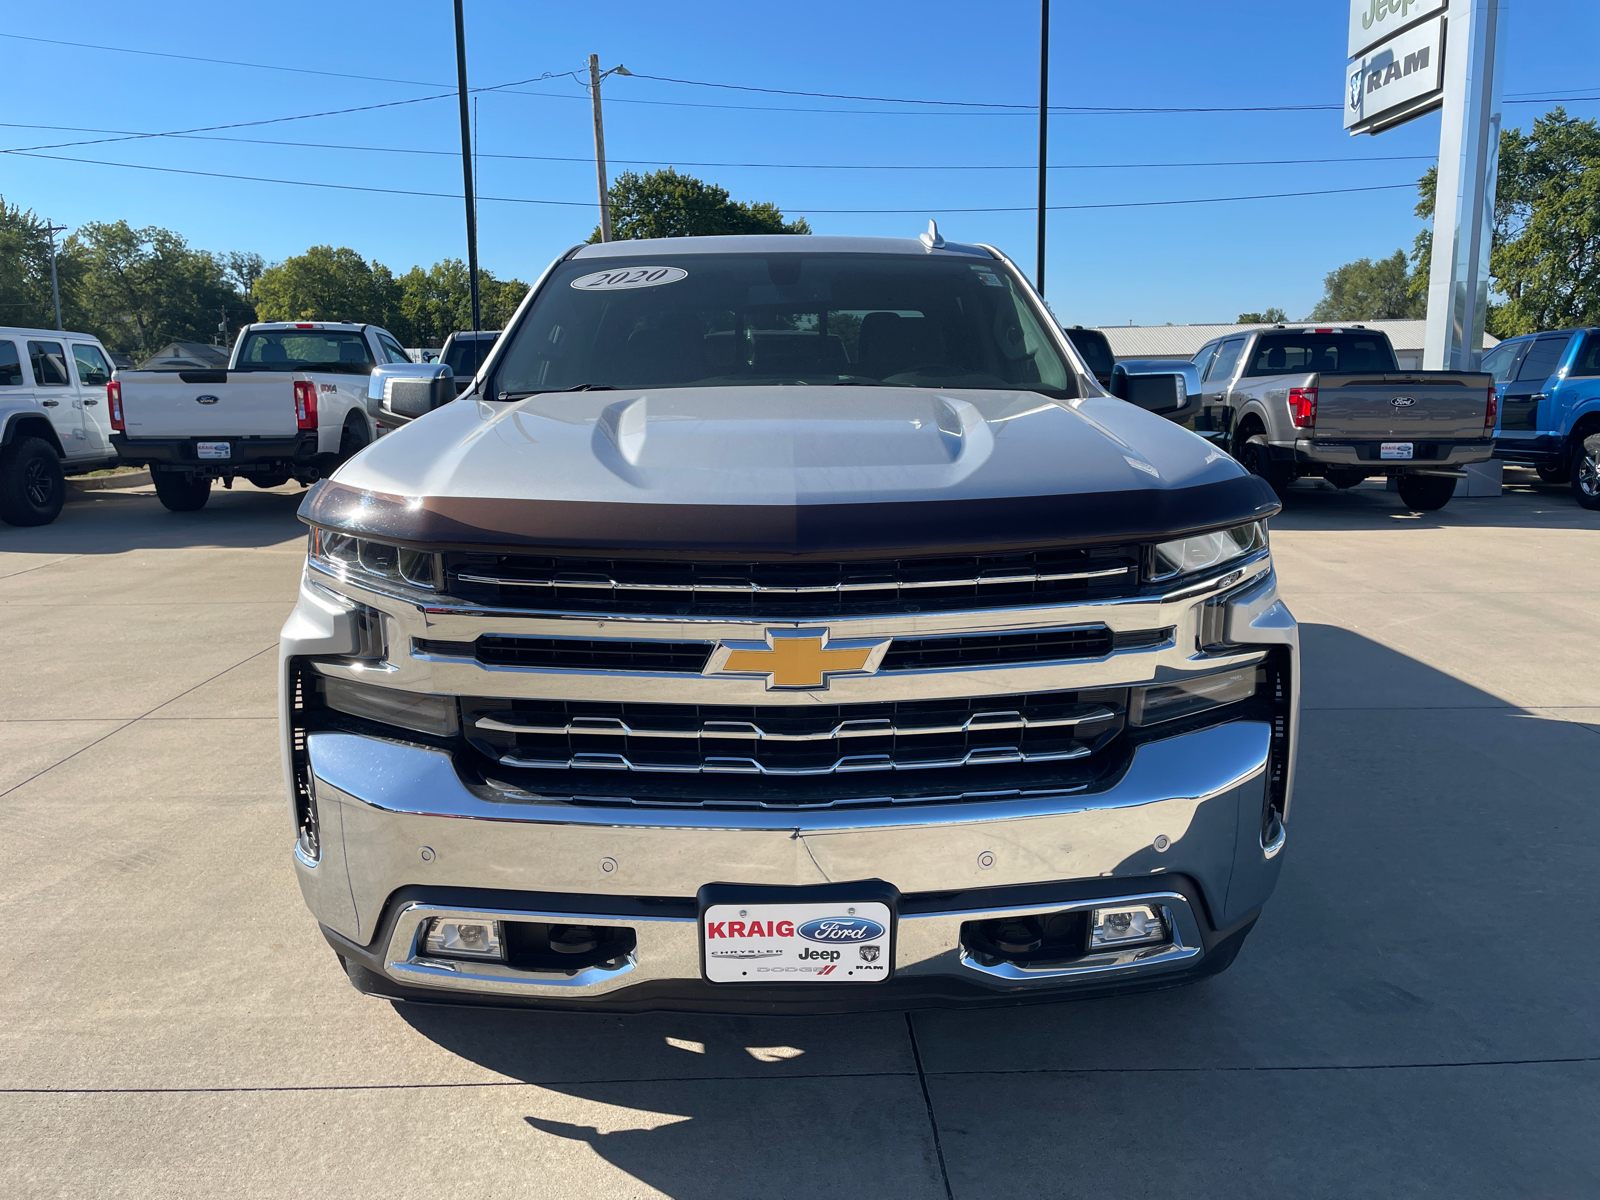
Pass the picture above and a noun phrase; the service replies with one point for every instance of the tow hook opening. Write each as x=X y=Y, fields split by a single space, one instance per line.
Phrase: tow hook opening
x=1027 y=941
x=535 y=946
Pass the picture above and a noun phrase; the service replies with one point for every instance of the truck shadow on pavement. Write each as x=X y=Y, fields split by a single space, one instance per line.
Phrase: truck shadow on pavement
x=1525 y=503
x=1401 y=1012
x=116 y=520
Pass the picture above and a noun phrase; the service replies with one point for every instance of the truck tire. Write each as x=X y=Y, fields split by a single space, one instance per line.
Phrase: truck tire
x=1426 y=493
x=181 y=492
x=1555 y=472
x=32 y=489
x=1256 y=456
x=354 y=438
x=1586 y=472
x=1344 y=479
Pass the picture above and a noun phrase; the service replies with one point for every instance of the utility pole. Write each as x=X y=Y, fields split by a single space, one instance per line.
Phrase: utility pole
x=466 y=165
x=1044 y=125
x=1469 y=163
x=595 y=76
x=55 y=288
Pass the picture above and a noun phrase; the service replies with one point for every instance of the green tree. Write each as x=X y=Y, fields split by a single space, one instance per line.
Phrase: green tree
x=328 y=284
x=1273 y=316
x=436 y=302
x=24 y=269
x=666 y=204
x=138 y=289
x=1365 y=290
x=1544 y=256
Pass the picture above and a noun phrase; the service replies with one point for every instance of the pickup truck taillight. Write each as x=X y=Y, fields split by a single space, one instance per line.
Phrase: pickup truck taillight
x=114 y=403
x=1491 y=411
x=1303 y=407
x=305 y=403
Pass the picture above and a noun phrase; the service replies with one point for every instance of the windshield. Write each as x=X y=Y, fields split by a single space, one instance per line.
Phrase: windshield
x=467 y=352
x=333 y=350
x=720 y=320
x=1281 y=353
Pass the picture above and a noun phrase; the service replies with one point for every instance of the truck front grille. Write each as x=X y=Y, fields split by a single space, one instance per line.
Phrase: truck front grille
x=802 y=740
x=801 y=590
x=904 y=654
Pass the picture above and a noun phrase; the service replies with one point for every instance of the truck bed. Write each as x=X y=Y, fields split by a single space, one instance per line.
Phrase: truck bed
x=208 y=403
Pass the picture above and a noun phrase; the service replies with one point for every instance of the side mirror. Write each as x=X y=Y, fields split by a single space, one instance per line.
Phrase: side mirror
x=1160 y=385
x=409 y=390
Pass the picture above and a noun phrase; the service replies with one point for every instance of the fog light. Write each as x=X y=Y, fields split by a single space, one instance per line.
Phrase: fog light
x=1127 y=925
x=465 y=939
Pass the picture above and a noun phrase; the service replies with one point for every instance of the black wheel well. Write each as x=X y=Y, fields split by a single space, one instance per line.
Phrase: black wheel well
x=1588 y=425
x=31 y=425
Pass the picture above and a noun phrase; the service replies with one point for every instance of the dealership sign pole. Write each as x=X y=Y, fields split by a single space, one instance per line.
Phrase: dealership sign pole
x=1407 y=58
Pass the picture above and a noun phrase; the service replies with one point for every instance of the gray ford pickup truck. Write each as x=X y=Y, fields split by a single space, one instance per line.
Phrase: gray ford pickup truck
x=786 y=624
x=1331 y=402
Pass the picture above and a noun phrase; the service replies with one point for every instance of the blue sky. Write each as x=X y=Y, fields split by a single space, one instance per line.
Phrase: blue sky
x=1145 y=265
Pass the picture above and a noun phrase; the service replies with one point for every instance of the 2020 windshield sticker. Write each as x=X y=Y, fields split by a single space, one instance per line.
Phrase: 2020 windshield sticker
x=629 y=277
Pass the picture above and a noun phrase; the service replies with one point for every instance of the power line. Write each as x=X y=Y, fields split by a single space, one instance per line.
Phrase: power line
x=647 y=162
x=334 y=112
x=351 y=187
x=222 y=62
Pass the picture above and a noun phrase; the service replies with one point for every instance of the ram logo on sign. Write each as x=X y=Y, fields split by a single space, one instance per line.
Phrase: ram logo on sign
x=1397 y=80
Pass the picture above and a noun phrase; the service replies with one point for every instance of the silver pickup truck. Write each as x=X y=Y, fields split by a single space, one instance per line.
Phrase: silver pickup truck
x=779 y=624
x=1332 y=402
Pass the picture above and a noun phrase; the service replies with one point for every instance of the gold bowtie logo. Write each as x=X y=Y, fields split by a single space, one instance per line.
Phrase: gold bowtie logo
x=798 y=658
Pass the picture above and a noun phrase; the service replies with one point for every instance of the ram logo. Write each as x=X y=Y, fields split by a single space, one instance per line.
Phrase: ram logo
x=1403 y=401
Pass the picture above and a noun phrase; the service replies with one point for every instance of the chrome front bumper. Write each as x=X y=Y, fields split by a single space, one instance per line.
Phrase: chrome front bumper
x=398 y=821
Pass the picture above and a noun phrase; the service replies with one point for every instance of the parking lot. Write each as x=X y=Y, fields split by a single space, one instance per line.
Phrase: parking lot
x=1414 y=1015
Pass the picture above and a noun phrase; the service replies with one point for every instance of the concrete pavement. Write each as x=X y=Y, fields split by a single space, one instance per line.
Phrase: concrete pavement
x=1414 y=1014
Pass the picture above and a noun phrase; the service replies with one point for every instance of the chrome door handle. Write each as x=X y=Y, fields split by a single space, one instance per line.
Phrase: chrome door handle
x=1540 y=396
x=50 y=403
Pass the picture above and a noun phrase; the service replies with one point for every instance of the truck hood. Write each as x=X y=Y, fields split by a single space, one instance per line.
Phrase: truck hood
x=784 y=470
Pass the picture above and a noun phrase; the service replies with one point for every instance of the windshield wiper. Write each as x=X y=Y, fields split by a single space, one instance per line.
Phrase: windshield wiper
x=577 y=387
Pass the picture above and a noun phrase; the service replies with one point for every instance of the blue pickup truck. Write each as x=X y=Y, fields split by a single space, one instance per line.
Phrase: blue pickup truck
x=1549 y=387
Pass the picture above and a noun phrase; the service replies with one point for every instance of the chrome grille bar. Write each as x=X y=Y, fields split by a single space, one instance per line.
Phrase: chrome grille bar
x=756 y=589
x=876 y=727
x=749 y=766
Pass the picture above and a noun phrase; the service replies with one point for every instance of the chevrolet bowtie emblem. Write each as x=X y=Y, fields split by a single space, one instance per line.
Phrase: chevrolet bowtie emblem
x=798 y=658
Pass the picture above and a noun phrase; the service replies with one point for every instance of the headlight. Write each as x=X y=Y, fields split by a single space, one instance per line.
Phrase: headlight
x=1204 y=551
x=342 y=554
x=1152 y=705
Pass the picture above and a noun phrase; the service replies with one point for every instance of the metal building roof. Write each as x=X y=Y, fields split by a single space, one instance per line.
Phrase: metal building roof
x=1184 y=341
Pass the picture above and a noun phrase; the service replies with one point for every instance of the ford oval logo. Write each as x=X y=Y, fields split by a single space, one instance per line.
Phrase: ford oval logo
x=841 y=929
x=205 y=399
x=1403 y=401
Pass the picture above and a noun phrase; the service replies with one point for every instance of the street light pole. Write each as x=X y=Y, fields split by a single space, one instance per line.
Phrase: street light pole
x=466 y=165
x=595 y=76
x=1044 y=123
x=599 y=148
x=55 y=288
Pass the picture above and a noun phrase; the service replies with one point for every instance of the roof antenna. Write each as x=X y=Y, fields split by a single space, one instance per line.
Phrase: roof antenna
x=931 y=240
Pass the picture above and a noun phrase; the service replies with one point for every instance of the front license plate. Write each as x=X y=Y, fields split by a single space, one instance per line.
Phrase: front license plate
x=1394 y=450
x=213 y=449
x=842 y=942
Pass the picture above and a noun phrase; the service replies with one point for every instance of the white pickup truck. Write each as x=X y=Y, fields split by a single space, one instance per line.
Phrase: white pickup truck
x=291 y=404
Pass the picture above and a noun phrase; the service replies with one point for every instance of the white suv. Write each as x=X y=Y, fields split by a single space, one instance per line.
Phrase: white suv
x=53 y=419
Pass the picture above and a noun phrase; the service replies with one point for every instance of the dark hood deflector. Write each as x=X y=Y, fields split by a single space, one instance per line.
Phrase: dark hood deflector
x=753 y=533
